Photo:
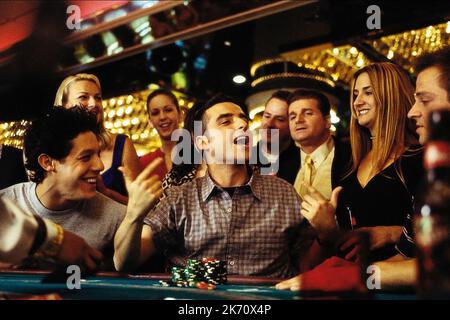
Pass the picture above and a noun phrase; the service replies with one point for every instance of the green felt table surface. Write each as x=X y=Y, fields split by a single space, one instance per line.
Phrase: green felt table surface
x=147 y=287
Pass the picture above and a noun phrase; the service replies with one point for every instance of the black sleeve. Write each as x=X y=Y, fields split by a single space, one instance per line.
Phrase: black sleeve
x=406 y=246
x=412 y=166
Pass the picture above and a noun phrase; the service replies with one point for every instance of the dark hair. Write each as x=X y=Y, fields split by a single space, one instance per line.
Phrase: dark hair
x=440 y=59
x=53 y=135
x=164 y=92
x=322 y=100
x=282 y=95
x=180 y=170
x=218 y=98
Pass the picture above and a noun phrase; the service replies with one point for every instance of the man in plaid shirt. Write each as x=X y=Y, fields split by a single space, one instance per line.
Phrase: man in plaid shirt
x=229 y=214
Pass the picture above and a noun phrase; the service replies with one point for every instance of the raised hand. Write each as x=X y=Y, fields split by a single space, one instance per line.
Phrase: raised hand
x=144 y=191
x=320 y=212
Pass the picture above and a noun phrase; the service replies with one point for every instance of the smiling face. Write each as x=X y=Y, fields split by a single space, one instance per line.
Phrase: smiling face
x=364 y=104
x=227 y=139
x=75 y=176
x=308 y=126
x=275 y=116
x=164 y=116
x=429 y=96
x=87 y=94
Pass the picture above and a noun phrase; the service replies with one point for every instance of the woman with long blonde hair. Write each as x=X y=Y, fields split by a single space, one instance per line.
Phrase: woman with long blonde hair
x=387 y=161
x=84 y=91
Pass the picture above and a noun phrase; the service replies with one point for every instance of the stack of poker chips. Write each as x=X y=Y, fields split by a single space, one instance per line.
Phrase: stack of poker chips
x=203 y=274
x=194 y=271
x=215 y=271
x=178 y=275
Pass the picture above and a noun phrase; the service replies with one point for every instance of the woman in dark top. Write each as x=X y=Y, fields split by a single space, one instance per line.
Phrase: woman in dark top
x=377 y=193
x=382 y=205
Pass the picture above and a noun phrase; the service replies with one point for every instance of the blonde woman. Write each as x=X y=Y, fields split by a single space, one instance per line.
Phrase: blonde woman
x=376 y=195
x=387 y=159
x=84 y=90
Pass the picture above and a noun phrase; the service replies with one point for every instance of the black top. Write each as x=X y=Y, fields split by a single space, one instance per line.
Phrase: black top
x=113 y=178
x=384 y=201
x=406 y=245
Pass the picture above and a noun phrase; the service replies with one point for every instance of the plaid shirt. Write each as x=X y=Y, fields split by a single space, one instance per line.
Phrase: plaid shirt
x=250 y=230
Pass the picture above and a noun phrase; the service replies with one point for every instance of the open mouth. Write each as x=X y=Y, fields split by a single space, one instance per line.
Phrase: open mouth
x=92 y=181
x=165 y=125
x=362 y=112
x=242 y=140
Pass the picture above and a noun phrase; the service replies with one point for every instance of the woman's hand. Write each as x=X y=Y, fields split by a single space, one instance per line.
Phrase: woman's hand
x=293 y=284
x=379 y=237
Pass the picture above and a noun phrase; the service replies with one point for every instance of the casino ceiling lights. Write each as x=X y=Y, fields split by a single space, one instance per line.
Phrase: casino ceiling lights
x=138 y=26
x=331 y=66
x=401 y=48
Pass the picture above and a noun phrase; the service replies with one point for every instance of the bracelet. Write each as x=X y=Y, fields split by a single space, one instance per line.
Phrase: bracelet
x=52 y=249
x=39 y=238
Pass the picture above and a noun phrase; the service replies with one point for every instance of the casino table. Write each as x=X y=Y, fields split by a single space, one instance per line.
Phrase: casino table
x=115 y=286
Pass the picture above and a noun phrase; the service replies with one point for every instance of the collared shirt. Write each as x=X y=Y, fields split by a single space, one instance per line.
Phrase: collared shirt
x=322 y=159
x=249 y=230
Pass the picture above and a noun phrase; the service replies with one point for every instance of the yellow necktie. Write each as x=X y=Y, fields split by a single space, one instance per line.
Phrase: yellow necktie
x=309 y=167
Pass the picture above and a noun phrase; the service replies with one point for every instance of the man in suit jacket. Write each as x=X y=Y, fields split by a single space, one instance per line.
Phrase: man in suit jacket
x=277 y=153
x=324 y=159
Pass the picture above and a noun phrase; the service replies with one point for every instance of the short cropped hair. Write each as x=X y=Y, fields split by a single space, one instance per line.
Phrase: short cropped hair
x=52 y=134
x=322 y=100
x=282 y=95
x=440 y=59
x=218 y=98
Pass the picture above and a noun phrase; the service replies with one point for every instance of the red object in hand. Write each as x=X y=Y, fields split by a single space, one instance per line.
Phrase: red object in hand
x=334 y=275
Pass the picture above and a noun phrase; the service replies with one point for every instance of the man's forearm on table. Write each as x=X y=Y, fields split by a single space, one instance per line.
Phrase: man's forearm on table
x=397 y=274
